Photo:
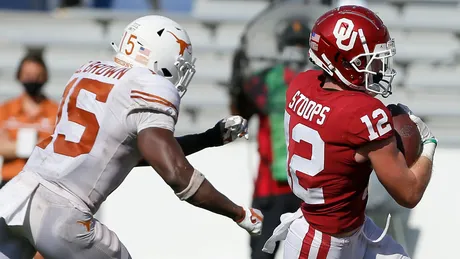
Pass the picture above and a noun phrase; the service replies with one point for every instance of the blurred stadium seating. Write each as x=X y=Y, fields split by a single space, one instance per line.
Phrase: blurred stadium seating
x=426 y=33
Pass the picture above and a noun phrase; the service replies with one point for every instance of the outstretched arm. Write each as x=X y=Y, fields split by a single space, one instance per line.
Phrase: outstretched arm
x=193 y=143
x=196 y=142
x=189 y=184
x=225 y=131
x=170 y=163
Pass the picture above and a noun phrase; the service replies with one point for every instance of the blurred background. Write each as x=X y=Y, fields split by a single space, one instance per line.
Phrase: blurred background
x=233 y=40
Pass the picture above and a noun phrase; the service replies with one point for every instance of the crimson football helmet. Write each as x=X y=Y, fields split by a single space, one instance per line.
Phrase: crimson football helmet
x=351 y=44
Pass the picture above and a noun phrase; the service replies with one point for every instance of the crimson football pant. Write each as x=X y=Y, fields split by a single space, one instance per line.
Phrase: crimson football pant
x=305 y=242
x=272 y=207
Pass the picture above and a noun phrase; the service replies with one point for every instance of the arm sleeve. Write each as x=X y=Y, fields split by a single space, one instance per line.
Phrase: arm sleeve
x=371 y=122
x=193 y=143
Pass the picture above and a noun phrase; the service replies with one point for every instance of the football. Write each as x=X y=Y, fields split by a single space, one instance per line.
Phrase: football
x=407 y=134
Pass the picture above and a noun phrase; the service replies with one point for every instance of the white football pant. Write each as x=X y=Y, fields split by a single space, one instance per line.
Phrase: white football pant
x=305 y=242
x=58 y=228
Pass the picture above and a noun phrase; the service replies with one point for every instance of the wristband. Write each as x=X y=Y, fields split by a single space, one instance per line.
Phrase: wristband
x=429 y=147
x=430 y=140
x=195 y=182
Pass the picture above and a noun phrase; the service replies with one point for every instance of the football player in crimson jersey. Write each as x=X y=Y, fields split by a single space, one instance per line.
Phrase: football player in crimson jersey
x=336 y=133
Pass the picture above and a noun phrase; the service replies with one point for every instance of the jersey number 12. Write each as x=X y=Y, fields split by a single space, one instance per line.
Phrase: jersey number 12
x=381 y=130
x=302 y=165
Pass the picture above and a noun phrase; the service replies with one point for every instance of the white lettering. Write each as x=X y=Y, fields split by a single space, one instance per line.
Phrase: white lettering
x=308 y=109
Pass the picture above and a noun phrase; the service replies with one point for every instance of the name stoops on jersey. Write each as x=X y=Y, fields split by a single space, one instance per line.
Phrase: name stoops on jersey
x=100 y=69
x=308 y=109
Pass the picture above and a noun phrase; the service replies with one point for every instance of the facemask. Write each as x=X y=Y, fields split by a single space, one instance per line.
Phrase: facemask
x=33 y=88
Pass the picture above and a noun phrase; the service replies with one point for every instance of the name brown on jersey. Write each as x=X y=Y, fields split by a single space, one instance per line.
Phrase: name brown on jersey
x=105 y=70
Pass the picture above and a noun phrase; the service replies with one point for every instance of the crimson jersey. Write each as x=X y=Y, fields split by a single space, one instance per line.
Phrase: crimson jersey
x=323 y=130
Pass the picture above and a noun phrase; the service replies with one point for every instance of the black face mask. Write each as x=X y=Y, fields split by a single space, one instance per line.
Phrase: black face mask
x=33 y=88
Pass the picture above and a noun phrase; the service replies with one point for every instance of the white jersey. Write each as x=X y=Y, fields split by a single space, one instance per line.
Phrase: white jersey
x=94 y=144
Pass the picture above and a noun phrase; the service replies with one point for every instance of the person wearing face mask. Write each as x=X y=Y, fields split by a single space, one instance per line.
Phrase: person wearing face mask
x=263 y=94
x=26 y=119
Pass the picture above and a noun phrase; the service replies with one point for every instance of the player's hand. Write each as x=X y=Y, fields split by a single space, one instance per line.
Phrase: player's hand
x=425 y=132
x=233 y=127
x=252 y=221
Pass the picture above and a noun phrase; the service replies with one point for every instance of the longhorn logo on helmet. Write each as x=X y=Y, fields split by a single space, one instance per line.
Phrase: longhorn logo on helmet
x=183 y=45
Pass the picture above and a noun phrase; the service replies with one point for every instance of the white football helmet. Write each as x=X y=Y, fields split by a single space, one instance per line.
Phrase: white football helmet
x=161 y=45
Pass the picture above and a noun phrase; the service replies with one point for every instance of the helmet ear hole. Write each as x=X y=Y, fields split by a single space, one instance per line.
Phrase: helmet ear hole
x=336 y=56
x=346 y=64
x=166 y=72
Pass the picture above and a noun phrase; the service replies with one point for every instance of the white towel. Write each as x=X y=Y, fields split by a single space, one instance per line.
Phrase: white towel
x=25 y=142
x=281 y=231
x=15 y=197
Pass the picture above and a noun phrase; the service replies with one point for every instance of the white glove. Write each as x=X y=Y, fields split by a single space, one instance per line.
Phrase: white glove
x=252 y=221
x=233 y=127
x=429 y=141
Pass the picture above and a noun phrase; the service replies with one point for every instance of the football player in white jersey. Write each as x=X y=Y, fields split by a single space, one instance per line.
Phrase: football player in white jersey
x=112 y=115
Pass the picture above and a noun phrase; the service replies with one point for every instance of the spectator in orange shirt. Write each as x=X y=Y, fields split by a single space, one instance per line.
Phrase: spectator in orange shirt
x=26 y=119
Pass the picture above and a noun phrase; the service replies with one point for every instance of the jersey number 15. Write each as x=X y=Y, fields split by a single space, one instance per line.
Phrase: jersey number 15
x=75 y=120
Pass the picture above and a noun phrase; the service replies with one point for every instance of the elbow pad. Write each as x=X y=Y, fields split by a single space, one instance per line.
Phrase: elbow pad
x=195 y=182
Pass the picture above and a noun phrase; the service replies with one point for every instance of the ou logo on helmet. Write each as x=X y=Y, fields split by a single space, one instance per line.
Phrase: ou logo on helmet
x=343 y=31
